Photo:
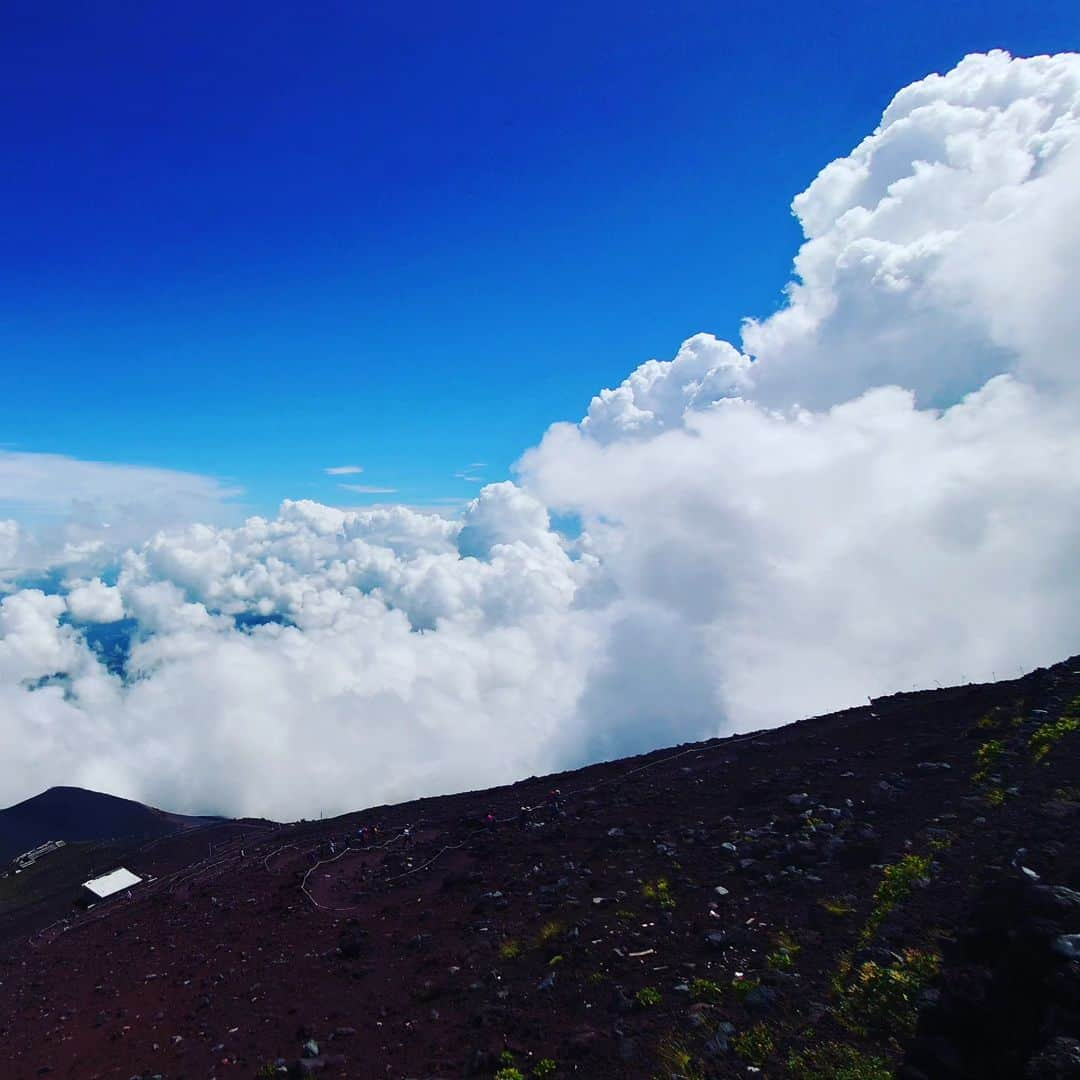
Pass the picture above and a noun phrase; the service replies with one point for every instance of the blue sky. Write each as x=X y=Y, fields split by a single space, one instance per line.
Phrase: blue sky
x=252 y=241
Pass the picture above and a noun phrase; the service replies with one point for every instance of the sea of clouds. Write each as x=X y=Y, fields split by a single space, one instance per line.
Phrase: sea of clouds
x=878 y=487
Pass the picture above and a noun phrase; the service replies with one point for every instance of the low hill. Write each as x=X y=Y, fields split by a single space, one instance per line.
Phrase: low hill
x=888 y=890
x=71 y=813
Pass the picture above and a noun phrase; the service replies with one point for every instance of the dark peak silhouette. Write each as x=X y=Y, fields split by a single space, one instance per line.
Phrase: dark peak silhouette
x=72 y=813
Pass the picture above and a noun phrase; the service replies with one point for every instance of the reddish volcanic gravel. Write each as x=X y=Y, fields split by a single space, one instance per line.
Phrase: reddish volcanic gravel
x=443 y=940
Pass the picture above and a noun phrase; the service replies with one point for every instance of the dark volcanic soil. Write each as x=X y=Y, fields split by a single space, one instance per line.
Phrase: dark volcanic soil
x=701 y=911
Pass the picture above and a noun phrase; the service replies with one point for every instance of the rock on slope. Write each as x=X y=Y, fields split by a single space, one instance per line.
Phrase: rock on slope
x=889 y=887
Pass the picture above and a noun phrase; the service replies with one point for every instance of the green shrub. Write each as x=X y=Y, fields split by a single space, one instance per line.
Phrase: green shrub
x=837 y=1061
x=782 y=958
x=510 y=1074
x=706 y=990
x=992 y=720
x=510 y=949
x=677 y=1060
x=884 y=998
x=896 y=884
x=648 y=996
x=986 y=758
x=544 y=1067
x=742 y=986
x=660 y=891
x=755 y=1045
x=550 y=931
x=1044 y=737
x=838 y=908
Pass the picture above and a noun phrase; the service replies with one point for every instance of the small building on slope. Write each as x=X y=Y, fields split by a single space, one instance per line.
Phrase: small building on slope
x=28 y=858
x=101 y=888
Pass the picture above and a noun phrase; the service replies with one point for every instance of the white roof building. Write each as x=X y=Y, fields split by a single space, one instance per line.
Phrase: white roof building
x=111 y=883
x=28 y=858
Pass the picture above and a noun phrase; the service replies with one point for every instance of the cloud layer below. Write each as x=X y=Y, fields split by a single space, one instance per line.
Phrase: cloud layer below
x=878 y=487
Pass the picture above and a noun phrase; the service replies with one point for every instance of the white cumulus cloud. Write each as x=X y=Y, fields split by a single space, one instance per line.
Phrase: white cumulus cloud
x=95 y=602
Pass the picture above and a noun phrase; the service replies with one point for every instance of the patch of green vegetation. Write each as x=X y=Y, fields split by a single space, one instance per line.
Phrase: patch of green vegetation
x=744 y=984
x=706 y=990
x=625 y=914
x=896 y=884
x=883 y=998
x=838 y=979
x=660 y=891
x=1001 y=715
x=677 y=1060
x=510 y=949
x=782 y=958
x=550 y=931
x=269 y=1071
x=837 y=907
x=648 y=996
x=986 y=759
x=595 y=978
x=755 y=1045
x=556 y=960
x=995 y=796
x=837 y=1061
x=995 y=719
x=506 y=1058
x=1046 y=736
x=510 y=1073
x=544 y=1067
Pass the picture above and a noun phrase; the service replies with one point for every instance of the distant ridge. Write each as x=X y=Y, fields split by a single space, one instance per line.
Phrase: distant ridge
x=72 y=813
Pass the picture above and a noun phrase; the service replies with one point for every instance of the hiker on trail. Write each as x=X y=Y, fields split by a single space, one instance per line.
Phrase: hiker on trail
x=333 y=849
x=490 y=821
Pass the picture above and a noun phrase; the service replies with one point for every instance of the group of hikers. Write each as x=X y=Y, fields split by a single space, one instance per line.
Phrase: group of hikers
x=528 y=817
x=532 y=817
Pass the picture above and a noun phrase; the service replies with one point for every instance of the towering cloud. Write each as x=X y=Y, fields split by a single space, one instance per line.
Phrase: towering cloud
x=879 y=486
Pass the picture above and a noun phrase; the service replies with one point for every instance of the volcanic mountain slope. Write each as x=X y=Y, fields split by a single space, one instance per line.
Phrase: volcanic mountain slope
x=886 y=887
x=70 y=813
